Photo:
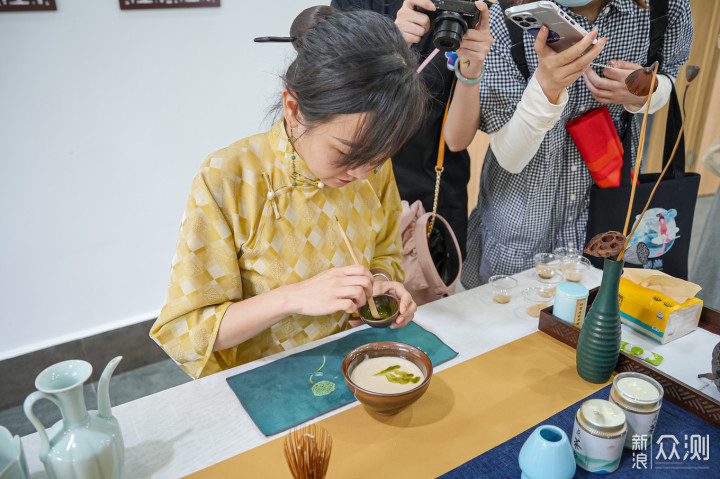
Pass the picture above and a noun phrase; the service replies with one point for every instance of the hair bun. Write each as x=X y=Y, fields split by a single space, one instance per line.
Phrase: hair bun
x=306 y=21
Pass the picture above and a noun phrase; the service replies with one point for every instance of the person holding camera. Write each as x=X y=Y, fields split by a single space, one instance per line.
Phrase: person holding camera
x=414 y=164
x=261 y=265
x=534 y=186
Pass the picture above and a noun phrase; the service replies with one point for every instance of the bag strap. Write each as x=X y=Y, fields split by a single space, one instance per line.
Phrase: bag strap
x=441 y=158
x=658 y=24
x=673 y=125
x=517 y=44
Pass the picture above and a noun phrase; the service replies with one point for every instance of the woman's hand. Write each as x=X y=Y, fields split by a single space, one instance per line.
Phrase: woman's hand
x=612 y=89
x=475 y=45
x=557 y=71
x=407 y=304
x=413 y=24
x=337 y=289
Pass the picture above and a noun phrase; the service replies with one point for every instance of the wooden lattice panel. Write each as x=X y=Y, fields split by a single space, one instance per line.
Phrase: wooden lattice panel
x=26 y=5
x=676 y=392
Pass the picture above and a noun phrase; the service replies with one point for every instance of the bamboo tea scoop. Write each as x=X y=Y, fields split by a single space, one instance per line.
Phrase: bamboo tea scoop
x=371 y=300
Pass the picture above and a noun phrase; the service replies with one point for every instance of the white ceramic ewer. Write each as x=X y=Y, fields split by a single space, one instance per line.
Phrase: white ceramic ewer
x=83 y=445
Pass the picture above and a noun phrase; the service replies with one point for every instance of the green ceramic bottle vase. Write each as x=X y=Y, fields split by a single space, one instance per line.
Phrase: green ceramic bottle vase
x=598 y=347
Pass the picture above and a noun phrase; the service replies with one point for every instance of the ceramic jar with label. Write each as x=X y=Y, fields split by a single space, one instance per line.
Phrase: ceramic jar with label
x=570 y=301
x=640 y=398
x=598 y=436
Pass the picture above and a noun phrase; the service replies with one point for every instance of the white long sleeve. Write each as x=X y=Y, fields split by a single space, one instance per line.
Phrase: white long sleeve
x=515 y=144
x=659 y=98
x=518 y=140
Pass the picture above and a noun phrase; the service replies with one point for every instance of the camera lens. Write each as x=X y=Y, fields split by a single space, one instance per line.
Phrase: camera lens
x=517 y=19
x=524 y=24
x=449 y=28
x=531 y=19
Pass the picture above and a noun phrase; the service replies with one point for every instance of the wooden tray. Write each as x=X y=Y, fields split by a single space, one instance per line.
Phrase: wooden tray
x=677 y=392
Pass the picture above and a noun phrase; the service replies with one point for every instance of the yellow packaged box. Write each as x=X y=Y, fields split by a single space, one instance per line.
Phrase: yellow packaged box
x=655 y=314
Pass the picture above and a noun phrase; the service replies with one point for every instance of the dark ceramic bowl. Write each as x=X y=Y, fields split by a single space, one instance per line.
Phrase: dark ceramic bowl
x=387 y=307
x=387 y=404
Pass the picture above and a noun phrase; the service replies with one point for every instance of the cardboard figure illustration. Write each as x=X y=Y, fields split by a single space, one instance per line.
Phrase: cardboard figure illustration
x=658 y=230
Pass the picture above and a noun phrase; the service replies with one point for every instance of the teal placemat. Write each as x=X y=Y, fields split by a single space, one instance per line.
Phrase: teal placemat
x=280 y=395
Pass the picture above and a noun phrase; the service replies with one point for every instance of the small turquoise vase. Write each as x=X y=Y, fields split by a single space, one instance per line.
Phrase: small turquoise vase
x=598 y=346
x=547 y=454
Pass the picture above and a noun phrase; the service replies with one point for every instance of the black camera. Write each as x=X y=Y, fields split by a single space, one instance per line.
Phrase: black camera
x=450 y=20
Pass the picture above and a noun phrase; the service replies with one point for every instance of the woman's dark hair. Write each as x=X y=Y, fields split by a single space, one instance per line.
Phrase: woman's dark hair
x=356 y=62
x=307 y=19
x=640 y=3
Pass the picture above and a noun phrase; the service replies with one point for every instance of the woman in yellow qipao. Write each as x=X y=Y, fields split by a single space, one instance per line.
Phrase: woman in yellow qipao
x=260 y=265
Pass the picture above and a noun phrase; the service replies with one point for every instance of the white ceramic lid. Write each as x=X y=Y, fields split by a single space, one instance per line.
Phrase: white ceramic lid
x=637 y=391
x=602 y=417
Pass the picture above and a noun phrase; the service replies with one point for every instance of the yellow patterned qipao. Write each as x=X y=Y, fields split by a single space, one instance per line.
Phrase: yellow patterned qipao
x=246 y=230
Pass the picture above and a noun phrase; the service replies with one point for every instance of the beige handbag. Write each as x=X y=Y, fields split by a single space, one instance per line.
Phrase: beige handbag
x=431 y=255
x=422 y=278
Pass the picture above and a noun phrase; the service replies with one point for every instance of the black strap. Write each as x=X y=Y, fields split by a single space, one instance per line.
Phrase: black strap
x=672 y=128
x=517 y=44
x=658 y=24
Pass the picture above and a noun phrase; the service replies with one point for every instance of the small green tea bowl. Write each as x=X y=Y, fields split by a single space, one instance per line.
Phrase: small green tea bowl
x=387 y=307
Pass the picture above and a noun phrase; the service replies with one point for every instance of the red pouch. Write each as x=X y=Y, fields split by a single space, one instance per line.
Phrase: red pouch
x=599 y=145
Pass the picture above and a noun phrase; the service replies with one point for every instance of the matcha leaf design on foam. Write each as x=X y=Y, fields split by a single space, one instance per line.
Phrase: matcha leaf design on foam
x=321 y=388
x=394 y=375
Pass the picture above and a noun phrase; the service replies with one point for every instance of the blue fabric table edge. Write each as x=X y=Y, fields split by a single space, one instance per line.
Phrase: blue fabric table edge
x=502 y=460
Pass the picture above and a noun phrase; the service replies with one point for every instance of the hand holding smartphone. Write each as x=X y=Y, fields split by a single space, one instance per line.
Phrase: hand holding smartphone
x=564 y=49
x=563 y=33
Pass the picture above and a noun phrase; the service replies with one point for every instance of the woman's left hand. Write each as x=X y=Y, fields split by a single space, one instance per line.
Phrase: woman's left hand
x=612 y=88
x=475 y=45
x=407 y=304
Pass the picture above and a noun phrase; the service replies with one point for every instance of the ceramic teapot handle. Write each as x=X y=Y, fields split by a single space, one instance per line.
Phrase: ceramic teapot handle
x=28 y=407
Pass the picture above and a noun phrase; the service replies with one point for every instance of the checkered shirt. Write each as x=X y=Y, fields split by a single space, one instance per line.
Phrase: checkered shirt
x=546 y=204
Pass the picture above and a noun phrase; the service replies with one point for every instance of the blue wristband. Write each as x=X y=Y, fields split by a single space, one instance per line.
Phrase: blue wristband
x=467 y=81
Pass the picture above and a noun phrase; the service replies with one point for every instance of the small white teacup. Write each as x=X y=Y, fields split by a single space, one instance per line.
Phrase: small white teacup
x=573 y=267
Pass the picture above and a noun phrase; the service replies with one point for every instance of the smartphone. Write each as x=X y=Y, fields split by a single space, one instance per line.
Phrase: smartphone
x=564 y=31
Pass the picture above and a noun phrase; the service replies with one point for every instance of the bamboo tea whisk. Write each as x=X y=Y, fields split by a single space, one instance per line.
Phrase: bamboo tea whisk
x=307 y=452
x=371 y=300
